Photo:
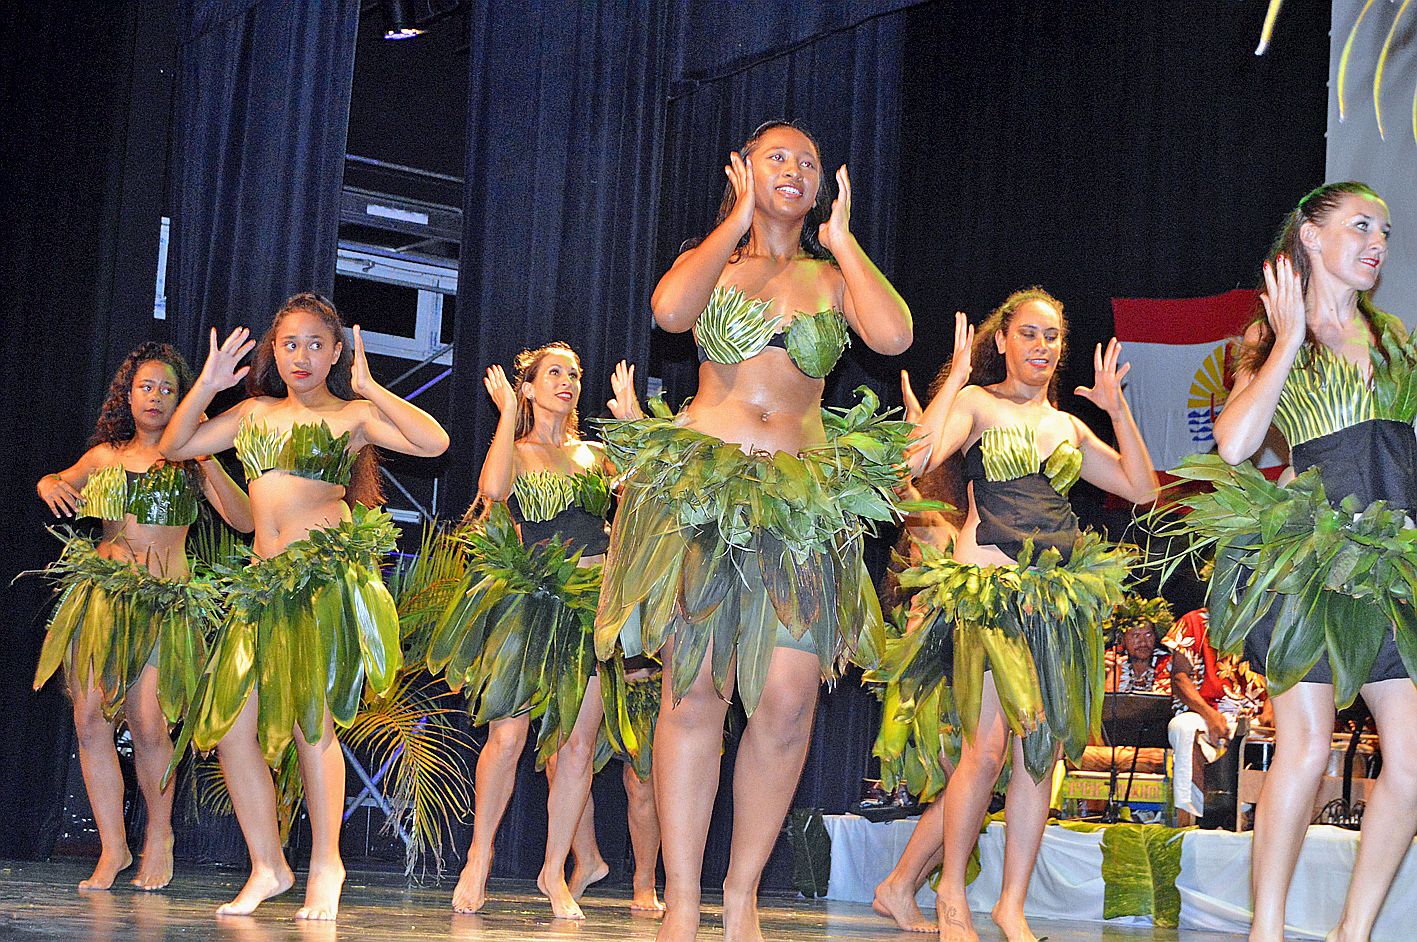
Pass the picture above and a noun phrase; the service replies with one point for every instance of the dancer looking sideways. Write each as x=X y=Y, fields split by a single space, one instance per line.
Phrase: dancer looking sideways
x=131 y=625
x=753 y=549
x=309 y=618
x=1025 y=677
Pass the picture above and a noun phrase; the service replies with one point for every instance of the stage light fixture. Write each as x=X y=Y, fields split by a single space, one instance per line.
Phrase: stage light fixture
x=399 y=21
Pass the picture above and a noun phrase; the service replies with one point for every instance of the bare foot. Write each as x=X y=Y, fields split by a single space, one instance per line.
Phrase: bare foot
x=740 y=917
x=260 y=886
x=1013 y=925
x=956 y=925
x=897 y=902
x=107 y=869
x=646 y=901
x=585 y=877
x=553 y=887
x=679 y=925
x=470 y=895
x=156 y=870
x=322 y=889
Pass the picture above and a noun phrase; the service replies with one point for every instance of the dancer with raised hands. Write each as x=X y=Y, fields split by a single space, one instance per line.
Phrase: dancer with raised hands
x=131 y=624
x=1014 y=612
x=309 y=620
x=738 y=539
x=1324 y=605
x=517 y=637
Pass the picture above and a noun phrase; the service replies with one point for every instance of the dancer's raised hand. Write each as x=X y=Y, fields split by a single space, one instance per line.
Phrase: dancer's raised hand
x=360 y=379
x=740 y=173
x=624 y=404
x=220 y=371
x=1283 y=299
x=1106 y=389
x=913 y=409
x=836 y=231
x=962 y=355
x=504 y=397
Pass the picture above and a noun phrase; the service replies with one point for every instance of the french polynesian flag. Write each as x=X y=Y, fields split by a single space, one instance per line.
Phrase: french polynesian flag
x=1182 y=352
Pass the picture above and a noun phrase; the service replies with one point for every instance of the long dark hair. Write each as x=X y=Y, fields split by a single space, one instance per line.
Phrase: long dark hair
x=1315 y=207
x=264 y=379
x=987 y=363
x=818 y=214
x=115 y=417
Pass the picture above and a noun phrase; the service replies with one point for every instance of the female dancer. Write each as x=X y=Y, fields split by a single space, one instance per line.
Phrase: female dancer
x=139 y=658
x=522 y=647
x=1017 y=608
x=1335 y=376
x=741 y=516
x=310 y=617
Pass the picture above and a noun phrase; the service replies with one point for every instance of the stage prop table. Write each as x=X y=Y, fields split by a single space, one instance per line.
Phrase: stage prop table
x=1068 y=882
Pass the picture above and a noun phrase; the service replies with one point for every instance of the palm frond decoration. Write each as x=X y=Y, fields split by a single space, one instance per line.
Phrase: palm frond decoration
x=1009 y=452
x=105 y=494
x=734 y=326
x=1379 y=70
x=543 y=494
x=423 y=586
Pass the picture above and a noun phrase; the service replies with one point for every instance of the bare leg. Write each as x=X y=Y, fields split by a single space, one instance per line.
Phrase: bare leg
x=152 y=751
x=769 y=766
x=495 y=776
x=964 y=804
x=644 y=839
x=687 y=744
x=895 y=895
x=566 y=803
x=1026 y=814
x=589 y=867
x=322 y=769
x=253 y=797
x=1303 y=719
x=1391 y=816
x=103 y=780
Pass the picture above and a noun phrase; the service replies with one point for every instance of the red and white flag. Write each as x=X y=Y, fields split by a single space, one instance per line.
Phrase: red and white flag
x=1182 y=352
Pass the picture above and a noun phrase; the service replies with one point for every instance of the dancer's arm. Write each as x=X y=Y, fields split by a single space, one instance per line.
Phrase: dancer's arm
x=226 y=496
x=394 y=422
x=876 y=311
x=499 y=468
x=683 y=292
x=187 y=435
x=948 y=420
x=1126 y=470
x=60 y=490
x=1241 y=426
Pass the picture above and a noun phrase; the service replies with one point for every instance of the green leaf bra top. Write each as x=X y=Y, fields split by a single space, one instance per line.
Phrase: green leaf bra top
x=543 y=495
x=164 y=495
x=735 y=327
x=309 y=450
x=1010 y=452
x=1325 y=393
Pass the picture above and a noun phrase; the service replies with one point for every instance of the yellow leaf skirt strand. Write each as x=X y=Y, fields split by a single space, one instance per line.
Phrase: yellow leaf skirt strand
x=731 y=554
x=114 y=617
x=304 y=629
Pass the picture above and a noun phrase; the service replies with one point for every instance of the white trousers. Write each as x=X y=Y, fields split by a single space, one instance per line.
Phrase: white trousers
x=1182 y=731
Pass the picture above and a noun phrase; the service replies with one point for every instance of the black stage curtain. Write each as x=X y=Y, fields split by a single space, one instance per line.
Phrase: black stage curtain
x=261 y=119
x=83 y=93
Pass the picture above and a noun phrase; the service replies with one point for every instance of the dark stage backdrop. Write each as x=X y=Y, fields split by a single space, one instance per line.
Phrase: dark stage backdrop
x=259 y=136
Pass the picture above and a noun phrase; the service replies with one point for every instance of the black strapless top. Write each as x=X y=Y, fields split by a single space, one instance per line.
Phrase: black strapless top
x=1373 y=460
x=584 y=530
x=1025 y=507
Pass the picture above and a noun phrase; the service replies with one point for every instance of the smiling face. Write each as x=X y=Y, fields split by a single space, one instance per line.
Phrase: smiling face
x=1349 y=244
x=555 y=383
x=787 y=172
x=305 y=350
x=153 y=396
x=1032 y=343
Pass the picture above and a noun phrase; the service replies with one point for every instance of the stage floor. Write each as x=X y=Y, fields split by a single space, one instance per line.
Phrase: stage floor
x=38 y=901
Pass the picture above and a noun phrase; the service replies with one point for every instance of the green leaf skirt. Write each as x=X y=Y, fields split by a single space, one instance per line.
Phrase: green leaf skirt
x=718 y=549
x=631 y=714
x=516 y=638
x=113 y=618
x=1035 y=624
x=304 y=629
x=1320 y=579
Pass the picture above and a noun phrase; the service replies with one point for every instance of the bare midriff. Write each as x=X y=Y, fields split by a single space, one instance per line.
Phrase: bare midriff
x=163 y=550
x=287 y=507
x=764 y=404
